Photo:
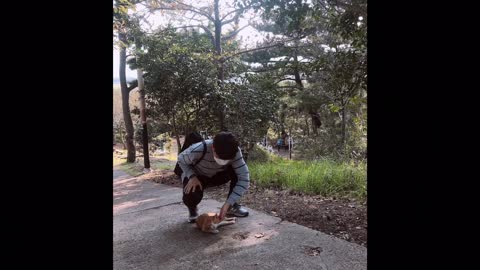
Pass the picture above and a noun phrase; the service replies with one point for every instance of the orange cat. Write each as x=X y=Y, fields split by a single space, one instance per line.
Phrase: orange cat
x=209 y=222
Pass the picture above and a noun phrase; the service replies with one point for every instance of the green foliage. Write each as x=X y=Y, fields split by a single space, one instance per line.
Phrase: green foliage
x=250 y=107
x=179 y=80
x=324 y=177
x=183 y=92
x=258 y=154
x=333 y=77
x=153 y=130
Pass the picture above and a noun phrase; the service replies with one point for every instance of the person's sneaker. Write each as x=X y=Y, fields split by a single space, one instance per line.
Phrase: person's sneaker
x=237 y=210
x=193 y=214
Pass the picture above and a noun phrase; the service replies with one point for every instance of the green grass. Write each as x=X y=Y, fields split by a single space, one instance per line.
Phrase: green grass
x=162 y=166
x=136 y=168
x=326 y=178
x=133 y=169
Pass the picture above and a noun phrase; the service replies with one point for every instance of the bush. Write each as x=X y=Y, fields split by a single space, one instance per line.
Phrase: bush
x=258 y=154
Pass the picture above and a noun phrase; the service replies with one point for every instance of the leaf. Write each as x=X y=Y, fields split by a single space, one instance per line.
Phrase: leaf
x=313 y=251
x=334 y=108
x=259 y=235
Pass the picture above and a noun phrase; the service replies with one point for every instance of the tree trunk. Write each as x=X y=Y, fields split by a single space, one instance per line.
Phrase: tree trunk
x=127 y=118
x=316 y=123
x=290 y=143
x=122 y=138
x=143 y=116
x=220 y=62
x=307 y=128
x=298 y=81
x=296 y=72
x=175 y=131
x=344 y=143
x=141 y=90
x=188 y=130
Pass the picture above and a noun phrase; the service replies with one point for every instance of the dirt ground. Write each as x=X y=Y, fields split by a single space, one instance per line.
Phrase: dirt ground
x=343 y=218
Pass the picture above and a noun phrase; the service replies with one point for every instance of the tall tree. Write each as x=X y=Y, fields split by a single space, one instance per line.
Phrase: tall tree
x=179 y=78
x=121 y=24
x=292 y=19
x=326 y=69
x=213 y=17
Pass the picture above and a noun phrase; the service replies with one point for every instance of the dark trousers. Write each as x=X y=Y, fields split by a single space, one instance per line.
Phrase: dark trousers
x=192 y=199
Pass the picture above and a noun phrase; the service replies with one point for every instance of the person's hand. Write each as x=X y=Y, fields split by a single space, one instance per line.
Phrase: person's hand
x=223 y=211
x=192 y=184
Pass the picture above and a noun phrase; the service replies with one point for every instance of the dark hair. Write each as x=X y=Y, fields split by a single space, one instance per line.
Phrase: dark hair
x=226 y=145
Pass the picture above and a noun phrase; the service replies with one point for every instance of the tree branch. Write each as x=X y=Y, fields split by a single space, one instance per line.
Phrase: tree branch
x=193 y=18
x=290 y=86
x=238 y=11
x=207 y=31
x=234 y=11
x=352 y=89
x=267 y=69
x=132 y=86
x=284 y=79
x=196 y=10
x=258 y=49
x=231 y=20
x=357 y=8
x=186 y=8
x=209 y=34
x=234 y=33
x=323 y=5
x=159 y=32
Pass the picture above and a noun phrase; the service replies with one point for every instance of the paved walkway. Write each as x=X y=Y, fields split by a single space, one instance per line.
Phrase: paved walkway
x=150 y=232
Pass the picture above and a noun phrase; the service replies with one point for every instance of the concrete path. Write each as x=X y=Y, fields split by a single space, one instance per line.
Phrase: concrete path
x=151 y=232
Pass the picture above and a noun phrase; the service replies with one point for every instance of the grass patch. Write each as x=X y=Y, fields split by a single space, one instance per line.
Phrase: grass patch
x=171 y=156
x=166 y=162
x=158 y=165
x=133 y=169
x=326 y=178
x=259 y=154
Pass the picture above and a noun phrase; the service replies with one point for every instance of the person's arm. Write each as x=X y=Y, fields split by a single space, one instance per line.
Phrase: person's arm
x=243 y=183
x=188 y=157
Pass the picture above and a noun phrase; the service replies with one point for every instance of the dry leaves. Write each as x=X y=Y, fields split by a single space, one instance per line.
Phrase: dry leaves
x=240 y=236
x=259 y=235
x=312 y=251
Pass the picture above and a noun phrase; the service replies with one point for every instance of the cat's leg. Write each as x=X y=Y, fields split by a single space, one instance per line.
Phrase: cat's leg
x=213 y=228
x=226 y=222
